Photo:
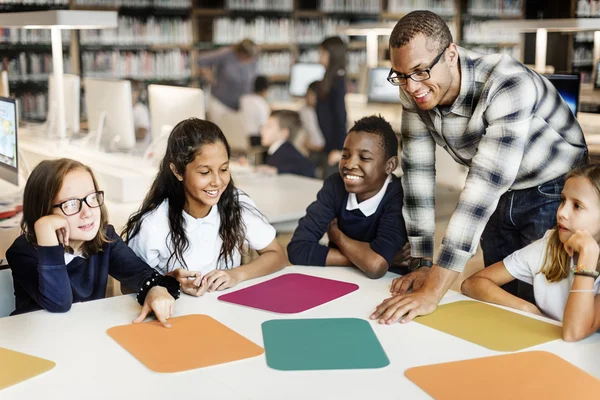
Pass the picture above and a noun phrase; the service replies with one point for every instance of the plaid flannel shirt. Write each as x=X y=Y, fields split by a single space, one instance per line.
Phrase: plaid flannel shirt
x=508 y=125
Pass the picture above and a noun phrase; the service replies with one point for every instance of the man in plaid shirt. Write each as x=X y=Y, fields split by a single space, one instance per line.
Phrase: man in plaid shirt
x=503 y=121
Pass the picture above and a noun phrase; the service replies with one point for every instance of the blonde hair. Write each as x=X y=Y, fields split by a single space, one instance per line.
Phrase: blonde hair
x=556 y=266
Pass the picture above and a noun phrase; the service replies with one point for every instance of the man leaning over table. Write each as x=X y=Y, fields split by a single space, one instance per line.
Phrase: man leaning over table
x=503 y=121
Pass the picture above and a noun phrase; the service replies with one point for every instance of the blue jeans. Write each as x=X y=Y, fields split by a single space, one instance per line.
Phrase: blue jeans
x=522 y=217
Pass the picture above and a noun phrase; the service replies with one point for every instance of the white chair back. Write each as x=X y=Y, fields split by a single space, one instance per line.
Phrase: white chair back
x=7 y=293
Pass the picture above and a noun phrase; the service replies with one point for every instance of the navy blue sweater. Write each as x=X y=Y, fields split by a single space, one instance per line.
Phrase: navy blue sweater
x=43 y=281
x=288 y=160
x=384 y=230
x=331 y=113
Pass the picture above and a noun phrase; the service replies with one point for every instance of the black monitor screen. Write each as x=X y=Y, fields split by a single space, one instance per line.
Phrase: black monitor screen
x=379 y=89
x=8 y=141
x=568 y=88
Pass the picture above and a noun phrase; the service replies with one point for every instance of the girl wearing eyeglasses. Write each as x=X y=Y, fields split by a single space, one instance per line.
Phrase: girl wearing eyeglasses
x=67 y=249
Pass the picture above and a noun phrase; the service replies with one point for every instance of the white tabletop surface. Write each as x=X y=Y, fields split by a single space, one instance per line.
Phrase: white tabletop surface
x=91 y=365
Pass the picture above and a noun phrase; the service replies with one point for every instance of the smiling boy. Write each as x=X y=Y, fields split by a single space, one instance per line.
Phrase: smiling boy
x=359 y=208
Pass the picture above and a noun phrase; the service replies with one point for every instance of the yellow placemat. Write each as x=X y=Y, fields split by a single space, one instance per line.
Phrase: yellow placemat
x=194 y=341
x=489 y=326
x=527 y=375
x=17 y=367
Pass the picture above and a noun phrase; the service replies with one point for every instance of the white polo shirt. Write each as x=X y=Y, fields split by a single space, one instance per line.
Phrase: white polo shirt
x=525 y=264
x=152 y=243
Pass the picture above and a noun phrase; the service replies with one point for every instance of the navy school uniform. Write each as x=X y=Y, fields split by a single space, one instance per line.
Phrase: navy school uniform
x=42 y=280
x=384 y=229
x=288 y=160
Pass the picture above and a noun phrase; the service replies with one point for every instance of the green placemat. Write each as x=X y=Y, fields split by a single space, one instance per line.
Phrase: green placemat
x=489 y=326
x=318 y=344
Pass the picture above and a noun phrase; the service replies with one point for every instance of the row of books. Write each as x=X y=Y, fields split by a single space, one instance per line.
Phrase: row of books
x=171 y=64
x=134 y=30
x=40 y=3
x=350 y=6
x=442 y=7
x=475 y=32
x=588 y=8
x=32 y=67
x=172 y=4
x=495 y=8
x=275 y=30
x=30 y=36
x=583 y=56
x=356 y=58
x=275 y=63
x=583 y=37
x=260 y=5
x=33 y=106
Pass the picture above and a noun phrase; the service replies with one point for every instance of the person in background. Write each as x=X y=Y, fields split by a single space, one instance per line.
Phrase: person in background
x=331 y=104
x=308 y=116
x=255 y=109
x=141 y=113
x=231 y=71
x=278 y=135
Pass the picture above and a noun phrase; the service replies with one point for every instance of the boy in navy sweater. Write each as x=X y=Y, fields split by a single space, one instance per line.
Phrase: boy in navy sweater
x=360 y=208
x=277 y=135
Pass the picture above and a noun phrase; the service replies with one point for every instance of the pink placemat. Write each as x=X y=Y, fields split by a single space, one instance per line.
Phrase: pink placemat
x=290 y=293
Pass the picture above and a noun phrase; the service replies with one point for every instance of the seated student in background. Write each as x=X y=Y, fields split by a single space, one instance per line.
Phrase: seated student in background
x=277 y=135
x=68 y=250
x=562 y=266
x=360 y=208
x=141 y=113
x=255 y=109
x=310 y=123
x=194 y=217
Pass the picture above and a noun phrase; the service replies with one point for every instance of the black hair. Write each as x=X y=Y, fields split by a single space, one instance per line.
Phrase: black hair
x=377 y=125
x=261 y=83
x=429 y=24
x=314 y=86
x=185 y=142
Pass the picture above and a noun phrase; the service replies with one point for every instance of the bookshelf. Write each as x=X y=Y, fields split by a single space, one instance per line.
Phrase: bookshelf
x=158 y=40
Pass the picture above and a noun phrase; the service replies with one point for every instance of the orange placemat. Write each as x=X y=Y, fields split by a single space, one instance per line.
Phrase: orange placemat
x=527 y=375
x=194 y=341
x=492 y=327
x=17 y=367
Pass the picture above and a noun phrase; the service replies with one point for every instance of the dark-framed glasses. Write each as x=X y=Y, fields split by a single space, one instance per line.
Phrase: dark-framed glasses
x=397 y=79
x=73 y=206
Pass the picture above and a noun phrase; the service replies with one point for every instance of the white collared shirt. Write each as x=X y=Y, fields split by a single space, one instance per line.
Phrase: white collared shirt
x=274 y=147
x=152 y=244
x=369 y=206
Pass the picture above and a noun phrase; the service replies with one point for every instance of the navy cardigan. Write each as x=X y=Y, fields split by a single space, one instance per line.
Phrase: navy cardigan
x=331 y=113
x=288 y=160
x=384 y=230
x=43 y=281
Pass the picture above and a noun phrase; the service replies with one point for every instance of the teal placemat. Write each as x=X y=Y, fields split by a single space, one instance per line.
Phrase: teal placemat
x=316 y=344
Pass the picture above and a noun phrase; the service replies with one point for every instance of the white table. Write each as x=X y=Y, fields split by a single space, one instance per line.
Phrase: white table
x=91 y=365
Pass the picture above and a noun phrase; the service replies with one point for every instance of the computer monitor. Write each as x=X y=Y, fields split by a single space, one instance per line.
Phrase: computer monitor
x=302 y=75
x=568 y=87
x=9 y=160
x=170 y=105
x=379 y=90
x=72 y=93
x=110 y=113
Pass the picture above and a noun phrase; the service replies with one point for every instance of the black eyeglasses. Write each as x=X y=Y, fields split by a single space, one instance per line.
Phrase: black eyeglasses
x=73 y=206
x=417 y=76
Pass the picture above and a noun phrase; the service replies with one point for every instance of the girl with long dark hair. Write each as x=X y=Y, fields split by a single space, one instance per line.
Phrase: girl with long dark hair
x=331 y=105
x=193 y=216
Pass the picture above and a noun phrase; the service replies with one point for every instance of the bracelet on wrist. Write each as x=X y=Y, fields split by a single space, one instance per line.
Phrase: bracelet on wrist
x=582 y=271
x=168 y=282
